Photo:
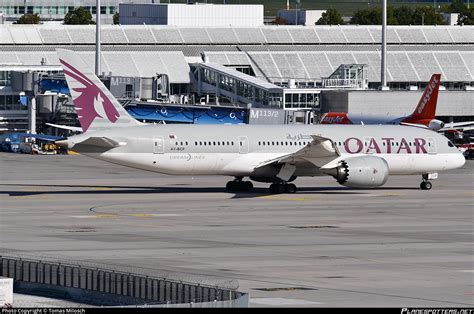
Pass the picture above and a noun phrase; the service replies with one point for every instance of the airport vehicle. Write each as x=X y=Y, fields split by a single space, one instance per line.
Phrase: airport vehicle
x=361 y=156
x=424 y=114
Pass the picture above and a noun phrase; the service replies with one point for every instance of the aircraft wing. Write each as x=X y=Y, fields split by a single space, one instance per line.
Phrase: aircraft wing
x=319 y=152
x=458 y=125
x=415 y=125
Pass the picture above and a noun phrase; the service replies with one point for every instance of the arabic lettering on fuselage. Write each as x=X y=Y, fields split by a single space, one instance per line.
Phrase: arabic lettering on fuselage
x=298 y=137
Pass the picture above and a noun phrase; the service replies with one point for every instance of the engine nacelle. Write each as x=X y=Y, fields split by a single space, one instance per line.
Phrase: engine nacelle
x=361 y=172
x=436 y=125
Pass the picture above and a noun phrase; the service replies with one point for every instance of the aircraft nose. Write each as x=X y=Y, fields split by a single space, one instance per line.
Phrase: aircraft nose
x=458 y=160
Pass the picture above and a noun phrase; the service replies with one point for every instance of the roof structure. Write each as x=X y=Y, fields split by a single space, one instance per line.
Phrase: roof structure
x=276 y=53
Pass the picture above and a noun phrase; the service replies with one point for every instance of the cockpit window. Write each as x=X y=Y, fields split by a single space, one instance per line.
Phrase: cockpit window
x=450 y=144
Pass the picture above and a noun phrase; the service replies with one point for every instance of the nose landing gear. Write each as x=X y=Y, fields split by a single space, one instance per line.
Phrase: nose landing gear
x=239 y=186
x=426 y=184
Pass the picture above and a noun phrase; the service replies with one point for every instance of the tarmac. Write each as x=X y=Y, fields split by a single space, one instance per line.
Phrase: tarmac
x=325 y=246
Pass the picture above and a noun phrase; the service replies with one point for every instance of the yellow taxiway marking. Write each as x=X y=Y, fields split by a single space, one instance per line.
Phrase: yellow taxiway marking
x=143 y=215
x=103 y=189
x=283 y=198
x=106 y=216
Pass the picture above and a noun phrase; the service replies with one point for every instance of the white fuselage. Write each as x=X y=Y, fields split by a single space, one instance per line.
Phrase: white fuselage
x=236 y=150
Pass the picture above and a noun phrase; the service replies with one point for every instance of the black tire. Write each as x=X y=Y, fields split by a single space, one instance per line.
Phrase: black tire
x=422 y=185
x=229 y=186
x=272 y=188
x=280 y=188
x=428 y=185
x=290 y=188
x=248 y=186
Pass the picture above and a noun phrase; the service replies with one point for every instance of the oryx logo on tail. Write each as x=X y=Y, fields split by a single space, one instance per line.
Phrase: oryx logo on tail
x=92 y=103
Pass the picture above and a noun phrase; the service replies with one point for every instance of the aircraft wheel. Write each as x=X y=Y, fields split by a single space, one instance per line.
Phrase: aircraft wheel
x=248 y=186
x=229 y=186
x=290 y=188
x=426 y=185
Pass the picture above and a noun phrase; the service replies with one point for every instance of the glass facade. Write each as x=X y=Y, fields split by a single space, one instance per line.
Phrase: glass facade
x=11 y=102
x=301 y=99
x=5 y=78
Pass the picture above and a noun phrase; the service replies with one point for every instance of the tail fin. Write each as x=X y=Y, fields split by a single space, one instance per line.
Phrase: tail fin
x=96 y=107
x=426 y=108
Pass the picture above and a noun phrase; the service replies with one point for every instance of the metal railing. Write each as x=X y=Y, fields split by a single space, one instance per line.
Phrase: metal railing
x=115 y=286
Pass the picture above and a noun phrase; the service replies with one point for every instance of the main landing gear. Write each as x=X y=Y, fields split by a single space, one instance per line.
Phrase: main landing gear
x=239 y=186
x=278 y=188
x=426 y=184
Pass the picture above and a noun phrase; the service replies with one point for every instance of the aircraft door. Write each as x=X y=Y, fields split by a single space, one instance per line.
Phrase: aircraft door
x=243 y=143
x=159 y=146
x=431 y=145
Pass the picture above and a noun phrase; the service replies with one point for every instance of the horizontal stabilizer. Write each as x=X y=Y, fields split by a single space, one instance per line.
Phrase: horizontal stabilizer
x=102 y=142
x=65 y=127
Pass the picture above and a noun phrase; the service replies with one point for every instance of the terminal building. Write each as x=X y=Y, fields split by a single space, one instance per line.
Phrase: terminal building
x=56 y=10
x=229 y=71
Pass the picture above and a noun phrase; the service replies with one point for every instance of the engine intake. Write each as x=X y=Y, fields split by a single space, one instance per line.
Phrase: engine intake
x=436 y=125
x=361 y=172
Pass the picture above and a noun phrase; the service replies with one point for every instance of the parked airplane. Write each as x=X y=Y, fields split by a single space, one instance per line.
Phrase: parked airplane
x=424 y=114
x=356 y=155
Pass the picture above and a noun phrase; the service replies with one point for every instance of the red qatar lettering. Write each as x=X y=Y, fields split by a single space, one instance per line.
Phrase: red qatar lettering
x=373 y=145
x=360 y=145
x=420 y=145
x=404 y=145
x=388 y=141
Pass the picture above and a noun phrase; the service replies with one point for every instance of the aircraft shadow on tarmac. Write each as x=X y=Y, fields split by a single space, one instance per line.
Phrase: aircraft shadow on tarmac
x=111 y=189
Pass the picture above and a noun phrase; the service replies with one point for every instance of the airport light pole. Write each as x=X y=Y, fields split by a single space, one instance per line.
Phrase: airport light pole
x=383 y=65
x=97 y=39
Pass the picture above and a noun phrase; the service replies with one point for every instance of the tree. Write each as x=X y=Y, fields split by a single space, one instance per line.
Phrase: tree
x=457 y=6
x=404 y=15
x=279 y=21
x=29 y=19
x=373 y=16
x=330 y=17
x=427 y=15
x=78 y=16
x=467 y=17
x=116 y=18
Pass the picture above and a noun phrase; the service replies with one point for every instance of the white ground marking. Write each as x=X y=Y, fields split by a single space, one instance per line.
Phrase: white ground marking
x=282 y=301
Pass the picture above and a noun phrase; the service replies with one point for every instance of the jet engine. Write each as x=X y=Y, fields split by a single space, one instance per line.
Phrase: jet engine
x=361 y=172
x=436 y=125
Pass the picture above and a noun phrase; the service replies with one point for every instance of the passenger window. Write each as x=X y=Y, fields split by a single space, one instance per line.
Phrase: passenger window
x=186 y=143
x=227 y=143
x=291 y=144
x=214 y=143
x=232 y=143
x=263 y=143
x=196 y=143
